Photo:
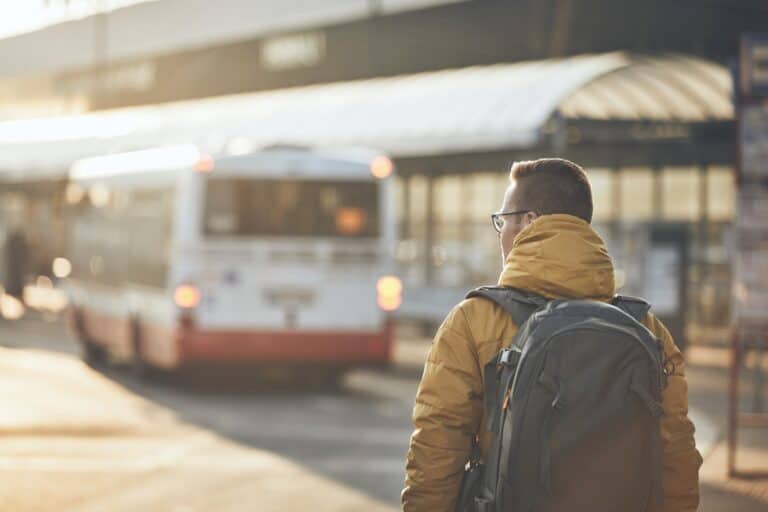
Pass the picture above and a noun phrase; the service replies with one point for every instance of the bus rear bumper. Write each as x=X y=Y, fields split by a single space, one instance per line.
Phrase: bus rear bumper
x=342 y=348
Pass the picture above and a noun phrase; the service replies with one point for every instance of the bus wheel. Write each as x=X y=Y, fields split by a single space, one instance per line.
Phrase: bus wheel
x=139 y=366
x=93 y=355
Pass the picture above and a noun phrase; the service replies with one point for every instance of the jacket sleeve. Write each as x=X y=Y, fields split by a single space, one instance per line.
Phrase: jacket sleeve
x=681 y=460
x=447 y=412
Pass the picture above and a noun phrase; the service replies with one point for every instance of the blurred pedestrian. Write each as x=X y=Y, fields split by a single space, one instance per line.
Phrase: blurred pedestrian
x=550 y=251
x=16 y=254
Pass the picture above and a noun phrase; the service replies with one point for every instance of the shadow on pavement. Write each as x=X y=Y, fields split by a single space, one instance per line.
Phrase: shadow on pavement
x=237 y=381
x=353 y=436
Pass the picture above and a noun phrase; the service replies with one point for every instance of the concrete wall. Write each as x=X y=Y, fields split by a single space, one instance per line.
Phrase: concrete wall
x=165 y=26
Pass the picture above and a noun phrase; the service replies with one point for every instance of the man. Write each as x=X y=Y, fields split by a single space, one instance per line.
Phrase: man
x=549 y=249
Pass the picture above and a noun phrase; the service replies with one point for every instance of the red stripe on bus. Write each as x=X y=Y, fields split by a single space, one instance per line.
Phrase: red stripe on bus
x=342 y=347
x=194 y=345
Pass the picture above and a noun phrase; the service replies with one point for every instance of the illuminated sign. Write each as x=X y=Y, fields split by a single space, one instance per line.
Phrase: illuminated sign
x=135 y=77
x=293 y=51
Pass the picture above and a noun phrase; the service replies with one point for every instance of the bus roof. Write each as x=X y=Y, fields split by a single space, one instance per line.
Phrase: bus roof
x=162 y=164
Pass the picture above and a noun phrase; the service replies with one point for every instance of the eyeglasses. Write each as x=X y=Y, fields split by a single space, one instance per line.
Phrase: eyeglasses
x=497 y=219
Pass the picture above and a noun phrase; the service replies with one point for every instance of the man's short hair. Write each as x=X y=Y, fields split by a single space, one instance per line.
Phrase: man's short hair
x=552 y=185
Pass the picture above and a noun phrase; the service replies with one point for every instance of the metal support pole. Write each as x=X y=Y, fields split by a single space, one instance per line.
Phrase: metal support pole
x=429 y=231
x=405 y=226
x=758 y=378
x=616 y=207
x=658 y=193
x=703 y=241
x=733 y=401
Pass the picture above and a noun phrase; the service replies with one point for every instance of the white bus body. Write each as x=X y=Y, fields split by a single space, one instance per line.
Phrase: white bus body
x=279 y=256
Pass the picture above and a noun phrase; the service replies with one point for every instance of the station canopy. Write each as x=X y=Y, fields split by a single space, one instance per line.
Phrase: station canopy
x=468 y=110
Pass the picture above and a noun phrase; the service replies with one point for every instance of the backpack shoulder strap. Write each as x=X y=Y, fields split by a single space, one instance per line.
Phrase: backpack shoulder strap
x=635 y=307
x=519 y=305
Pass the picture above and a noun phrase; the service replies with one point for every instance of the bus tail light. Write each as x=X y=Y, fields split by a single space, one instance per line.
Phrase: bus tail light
x=389 y=293
x=187 y=296
x=381 y=167
x=205 y=164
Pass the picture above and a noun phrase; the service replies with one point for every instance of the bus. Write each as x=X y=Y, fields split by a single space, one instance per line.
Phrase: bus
x=283 y=256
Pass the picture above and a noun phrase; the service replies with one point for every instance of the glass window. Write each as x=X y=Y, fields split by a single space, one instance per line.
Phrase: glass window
x=680 y=194
x=418 y=194
x=418 y=205
x=449 y=199
x=636 y=189
x=486 y=195
x=601 y=181
x=126 y=240
x=721 y=193
x=323 y=208
x=148 y=217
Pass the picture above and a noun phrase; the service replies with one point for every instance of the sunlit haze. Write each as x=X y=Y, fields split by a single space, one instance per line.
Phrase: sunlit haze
x=262 y=254
x=21 y=16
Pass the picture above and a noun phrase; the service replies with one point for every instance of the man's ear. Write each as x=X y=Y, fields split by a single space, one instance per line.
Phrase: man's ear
x=530 y=217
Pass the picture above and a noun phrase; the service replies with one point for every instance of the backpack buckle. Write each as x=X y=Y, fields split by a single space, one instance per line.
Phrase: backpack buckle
x=510 y=357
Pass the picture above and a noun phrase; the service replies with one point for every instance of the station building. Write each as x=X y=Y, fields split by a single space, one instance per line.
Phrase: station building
x=454 y=91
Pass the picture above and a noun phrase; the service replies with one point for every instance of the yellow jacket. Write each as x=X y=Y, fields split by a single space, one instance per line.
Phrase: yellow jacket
x=556 y=256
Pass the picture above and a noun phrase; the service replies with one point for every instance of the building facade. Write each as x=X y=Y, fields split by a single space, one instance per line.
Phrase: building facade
x=663 y=178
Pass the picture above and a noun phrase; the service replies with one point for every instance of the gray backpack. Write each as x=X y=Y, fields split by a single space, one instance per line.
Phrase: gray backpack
x=574 y=407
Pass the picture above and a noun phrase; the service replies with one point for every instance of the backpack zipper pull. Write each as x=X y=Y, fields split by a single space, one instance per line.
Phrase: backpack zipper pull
x=505 y=406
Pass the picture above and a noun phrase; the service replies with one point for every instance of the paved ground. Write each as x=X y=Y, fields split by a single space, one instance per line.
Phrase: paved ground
x=71 y=439
x=203 y=443
x=352 y=441
x=708 y=384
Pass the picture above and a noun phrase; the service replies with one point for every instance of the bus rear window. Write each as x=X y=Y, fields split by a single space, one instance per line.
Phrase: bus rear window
x=322 y=208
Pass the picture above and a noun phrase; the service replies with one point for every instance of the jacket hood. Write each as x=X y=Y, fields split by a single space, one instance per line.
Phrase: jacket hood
x=560 y=256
